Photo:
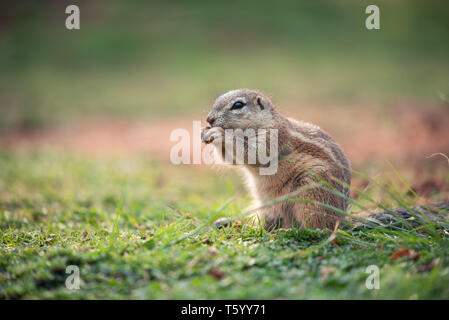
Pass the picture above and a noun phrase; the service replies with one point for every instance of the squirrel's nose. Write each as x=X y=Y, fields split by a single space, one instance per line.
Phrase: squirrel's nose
x=211 y=120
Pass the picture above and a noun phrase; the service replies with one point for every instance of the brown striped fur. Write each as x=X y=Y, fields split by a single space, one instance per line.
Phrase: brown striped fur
x=307 y=156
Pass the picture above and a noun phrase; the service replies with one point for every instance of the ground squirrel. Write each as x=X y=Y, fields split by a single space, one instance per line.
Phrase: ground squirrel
x=308 y=159
x=313 y=174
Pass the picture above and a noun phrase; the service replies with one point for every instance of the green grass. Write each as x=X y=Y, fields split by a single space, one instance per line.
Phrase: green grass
x=139 y=229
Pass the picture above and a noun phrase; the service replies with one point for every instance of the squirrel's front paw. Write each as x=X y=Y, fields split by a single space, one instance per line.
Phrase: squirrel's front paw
x=209 y=134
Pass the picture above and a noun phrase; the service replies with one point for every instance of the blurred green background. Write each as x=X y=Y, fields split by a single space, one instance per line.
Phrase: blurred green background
x=147 y=59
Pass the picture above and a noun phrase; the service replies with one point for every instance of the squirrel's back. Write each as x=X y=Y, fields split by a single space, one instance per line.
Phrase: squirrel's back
x=313 y=169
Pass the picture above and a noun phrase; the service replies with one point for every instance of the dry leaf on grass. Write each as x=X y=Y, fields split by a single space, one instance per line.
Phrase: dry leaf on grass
x=326 y=272
x=213 y=250
x=335 y=242
x=425 y=267
x=216 y=273
x=405 y=252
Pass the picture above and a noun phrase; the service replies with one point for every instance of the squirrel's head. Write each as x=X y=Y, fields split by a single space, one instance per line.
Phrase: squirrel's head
x=241 y=109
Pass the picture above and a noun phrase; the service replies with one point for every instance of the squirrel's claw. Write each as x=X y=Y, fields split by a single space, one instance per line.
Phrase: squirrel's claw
x=209 y=134
x=205 y=135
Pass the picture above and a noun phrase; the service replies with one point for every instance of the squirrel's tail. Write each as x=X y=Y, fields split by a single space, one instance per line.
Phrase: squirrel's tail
x=435 y=214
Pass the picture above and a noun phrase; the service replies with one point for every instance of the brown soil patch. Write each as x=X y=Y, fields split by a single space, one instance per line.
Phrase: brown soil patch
x=365 y=133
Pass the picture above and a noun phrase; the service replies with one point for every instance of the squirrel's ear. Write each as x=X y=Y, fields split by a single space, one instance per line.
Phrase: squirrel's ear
x=262 y=102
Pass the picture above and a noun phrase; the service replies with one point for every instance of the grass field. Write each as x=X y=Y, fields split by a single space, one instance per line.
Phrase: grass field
x=138 y=229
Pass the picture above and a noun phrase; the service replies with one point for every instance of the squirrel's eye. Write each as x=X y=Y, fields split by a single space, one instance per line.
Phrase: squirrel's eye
x=237 y=105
